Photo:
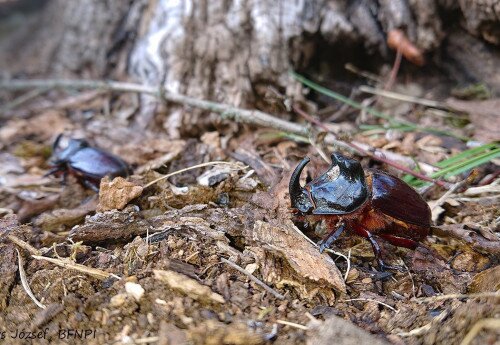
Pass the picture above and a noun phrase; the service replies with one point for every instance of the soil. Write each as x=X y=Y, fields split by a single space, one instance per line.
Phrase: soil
x=158 y=248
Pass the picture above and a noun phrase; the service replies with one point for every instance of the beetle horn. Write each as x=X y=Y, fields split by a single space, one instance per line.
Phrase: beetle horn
x=298 y=195
x=350 y=167
x=55 y=146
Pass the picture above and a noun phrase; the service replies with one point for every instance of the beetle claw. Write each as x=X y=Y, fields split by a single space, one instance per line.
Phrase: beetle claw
x=330 y=238
x=322 y=246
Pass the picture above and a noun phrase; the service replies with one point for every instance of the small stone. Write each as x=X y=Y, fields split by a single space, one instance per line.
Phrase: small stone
x=134 y=290
x=252 y=268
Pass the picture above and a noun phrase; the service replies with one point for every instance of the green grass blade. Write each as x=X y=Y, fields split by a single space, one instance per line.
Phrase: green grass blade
x=465 y=155
x=458 y=168
x=460 y=163
x=337 y=96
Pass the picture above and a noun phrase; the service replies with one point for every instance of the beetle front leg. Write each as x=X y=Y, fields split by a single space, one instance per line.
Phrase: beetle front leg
x=90 y=185
x=330 y=238
x=378 y=255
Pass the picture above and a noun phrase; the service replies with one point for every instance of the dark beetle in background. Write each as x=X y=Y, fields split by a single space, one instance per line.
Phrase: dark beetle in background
x=88 y=164
x=370 y=203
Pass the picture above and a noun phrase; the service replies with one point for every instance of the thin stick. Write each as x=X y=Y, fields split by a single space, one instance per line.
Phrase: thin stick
x=191 y=168
x=450 y=191
x=227 y=111
x=22 y=99
x=489 y=323
x=371 y=300
x=425 y=328
x=254 y=279
x=353 y=69
x=26 y=246
x=146 y=340
x=368 y=153
x=77 y=267
x=292 y=324
x=348 y=259
x=458 y=296
x=24 y=281
x=401 y=97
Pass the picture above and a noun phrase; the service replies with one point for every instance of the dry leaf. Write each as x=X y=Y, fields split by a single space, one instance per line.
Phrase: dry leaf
x=114 y=195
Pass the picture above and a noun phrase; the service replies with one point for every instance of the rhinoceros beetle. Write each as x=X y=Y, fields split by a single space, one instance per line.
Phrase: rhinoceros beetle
x=368 y=203
x=88 y=164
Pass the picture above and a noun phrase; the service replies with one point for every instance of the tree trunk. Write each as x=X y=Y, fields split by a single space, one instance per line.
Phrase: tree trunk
x=232 y=51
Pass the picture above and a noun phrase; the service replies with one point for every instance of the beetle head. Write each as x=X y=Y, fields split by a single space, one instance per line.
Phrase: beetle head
x=339 y=190
x=62 y=154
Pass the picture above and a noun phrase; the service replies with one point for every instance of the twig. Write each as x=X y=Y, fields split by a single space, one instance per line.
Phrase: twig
x=292 y=324
x=77 y=267
x=458 y=296
x=254 y=279
x=371 y=300
x=191 y=168
x=24 y=281
x=227 y=111
x=425 y=328
x=364 y=152
x=146 y=340
x=348 y=259
x=22 y=99
x=411 y=278
x=402 y=97
x=450 y=191
x=353 y=69
x=26 y=246
x=489 y=323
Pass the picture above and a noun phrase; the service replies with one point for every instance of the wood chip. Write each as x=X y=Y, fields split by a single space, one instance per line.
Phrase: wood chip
x=117 y=193
x=188 y=286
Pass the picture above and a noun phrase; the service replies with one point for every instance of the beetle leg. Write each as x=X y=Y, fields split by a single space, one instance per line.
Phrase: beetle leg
x=65 y=178
x=378 y=255
x=52 y=171
x=90 y=185
x=400 y=241
x=330 y=238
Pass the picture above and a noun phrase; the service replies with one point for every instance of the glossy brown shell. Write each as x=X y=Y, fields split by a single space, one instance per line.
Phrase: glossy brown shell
x=395 y=198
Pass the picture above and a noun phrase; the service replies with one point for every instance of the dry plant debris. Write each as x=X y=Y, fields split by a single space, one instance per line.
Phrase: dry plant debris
x=115 y=194
x=199 y=247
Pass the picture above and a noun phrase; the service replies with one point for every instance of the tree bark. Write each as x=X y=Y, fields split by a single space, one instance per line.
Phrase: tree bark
x=231 y=51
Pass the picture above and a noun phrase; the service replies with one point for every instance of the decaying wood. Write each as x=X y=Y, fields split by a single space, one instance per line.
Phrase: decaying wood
x=471 y=237
x=314 y=270
x=344 y=333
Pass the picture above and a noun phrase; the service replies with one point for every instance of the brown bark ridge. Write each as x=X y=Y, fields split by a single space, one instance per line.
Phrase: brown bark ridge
x=70 y=37
x=228 y=51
